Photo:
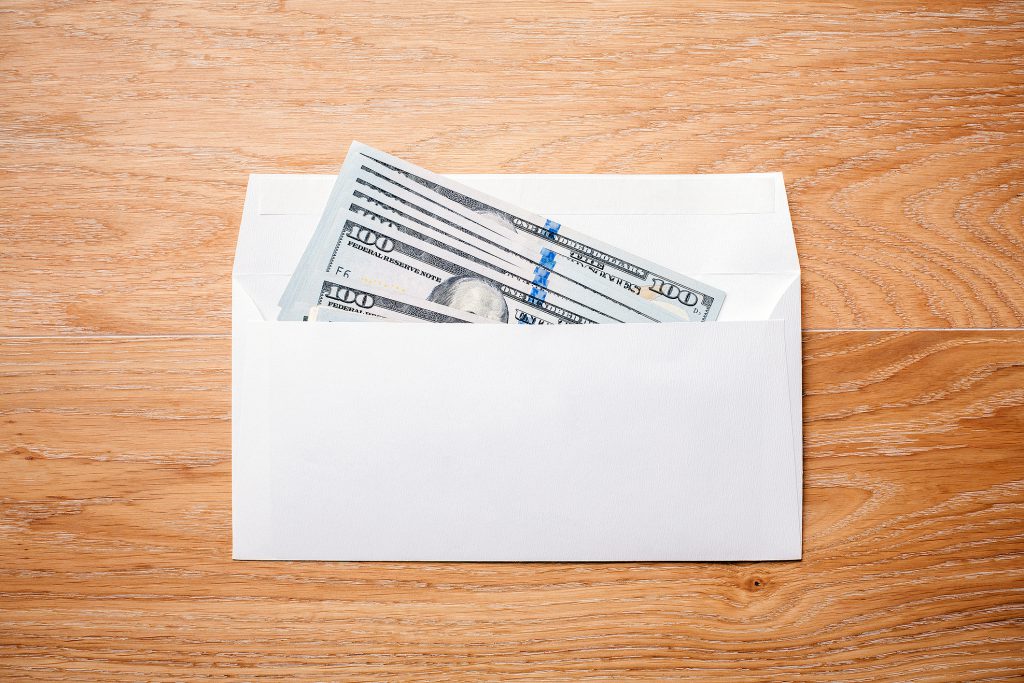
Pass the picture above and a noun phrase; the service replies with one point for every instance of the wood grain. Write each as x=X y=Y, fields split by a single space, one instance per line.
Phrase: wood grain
x=115 y=542
x=127 y=131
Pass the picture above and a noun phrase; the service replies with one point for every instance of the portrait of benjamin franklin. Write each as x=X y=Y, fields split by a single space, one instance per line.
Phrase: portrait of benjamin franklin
x=473 y=295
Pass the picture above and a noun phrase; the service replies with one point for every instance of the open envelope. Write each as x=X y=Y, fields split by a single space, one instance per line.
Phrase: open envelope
x=497 y=442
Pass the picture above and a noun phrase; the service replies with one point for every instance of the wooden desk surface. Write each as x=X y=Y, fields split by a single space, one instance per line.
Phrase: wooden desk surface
x=127 y=131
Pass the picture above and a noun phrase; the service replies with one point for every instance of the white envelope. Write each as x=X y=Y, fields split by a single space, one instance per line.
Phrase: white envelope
x=629 y=442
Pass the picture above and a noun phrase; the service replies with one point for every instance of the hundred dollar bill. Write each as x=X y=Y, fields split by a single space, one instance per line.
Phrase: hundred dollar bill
x=318 y=251
x=307 y=268
x=346 y=302
x=458 y=231
x=694 y=300
x=333 y=315
x=375 y=254
x=453 y=226
x=541 y=280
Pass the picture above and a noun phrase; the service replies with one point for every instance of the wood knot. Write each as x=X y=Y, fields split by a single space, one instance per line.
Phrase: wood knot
x=755 y=583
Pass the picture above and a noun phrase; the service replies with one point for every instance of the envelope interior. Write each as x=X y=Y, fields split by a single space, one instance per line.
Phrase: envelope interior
x=731 y=231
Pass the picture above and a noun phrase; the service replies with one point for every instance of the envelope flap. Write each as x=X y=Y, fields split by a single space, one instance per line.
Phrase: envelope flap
x=276 y=221
x=695 y=224
x=731 y=231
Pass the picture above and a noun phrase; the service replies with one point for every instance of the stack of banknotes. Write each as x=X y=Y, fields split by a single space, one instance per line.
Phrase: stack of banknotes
x=398 y=243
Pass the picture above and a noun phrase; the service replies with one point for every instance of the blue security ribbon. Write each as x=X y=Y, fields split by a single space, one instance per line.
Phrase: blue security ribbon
x=542 y=271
